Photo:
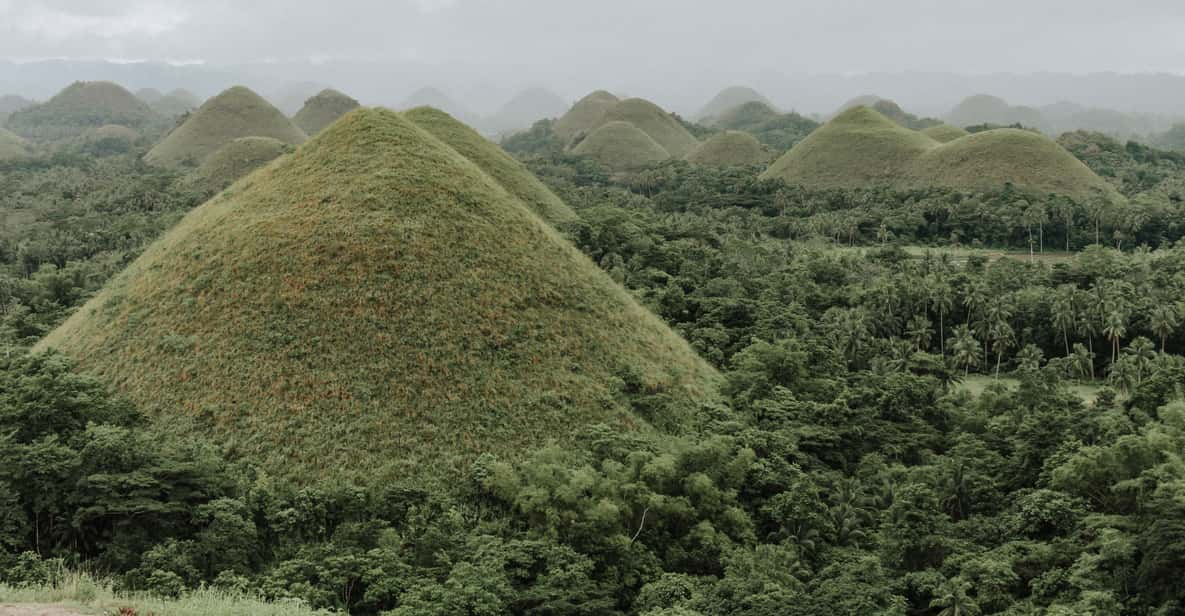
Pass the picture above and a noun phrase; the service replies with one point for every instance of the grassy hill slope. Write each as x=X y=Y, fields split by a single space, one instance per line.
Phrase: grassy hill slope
x=944 y=133
x=235 y=160
x=375 y=307
x=585 y=116
x=621 y=146
x=11 y=146
x=508 y=172
x=237 y=112
x=859 y=147
x=83 y=105
x=728 y=149
x=322 y=110
x=656 y=122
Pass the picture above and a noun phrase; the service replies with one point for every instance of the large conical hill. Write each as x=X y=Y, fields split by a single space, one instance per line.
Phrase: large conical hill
x=82 y=106
x=728 y=149
x=731 y=98
x=621 y=146
x=322 y=110
x=176 y=103
x=858 y=148
x=585 y=116
x=656 y=122
x=508 y=172
x=374 y=307
x=237 y=112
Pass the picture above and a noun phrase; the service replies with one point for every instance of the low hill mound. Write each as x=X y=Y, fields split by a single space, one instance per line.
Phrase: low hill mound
x=237 y=112
x=858 y=148
x=1025 y=159
x=508 y=172
x=654 y=121
x=585 y=116
x=526 y=108
x=374 y=307
x=864 y=100
x=992 y=110
x=943 y=133
x=150 y=96
x=731 y=98
x=322 y=110
x=745 y=117
x=729 y=149
x=82 y=106
x=176 y=103
x=11 y=102
x=621 y=146
x=894 y=112
x=235 y=160
x=12 y=147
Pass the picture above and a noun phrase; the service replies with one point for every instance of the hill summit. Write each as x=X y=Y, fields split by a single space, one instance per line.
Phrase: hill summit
x=82 y=106
x=375 y=307
x=730 y=148
x=322 y=110
x=731 y=98
x=237 y=112
x=585 y=116
x=656 y=122
x=862 y=148
x=621 y=146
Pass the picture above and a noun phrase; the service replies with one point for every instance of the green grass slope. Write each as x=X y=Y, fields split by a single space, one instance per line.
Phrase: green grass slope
x=944 y=133
x=859 y=147
x=375 y=307
x=237 y=112
x=508 y=172
x=585 y=116
x=235 y=160
x=322 y=110
x=83 y=105
x=621 y=146
x=12 y=147
x=731 y=98
x=1009 y=156
x=656 y=122
x=728 y=149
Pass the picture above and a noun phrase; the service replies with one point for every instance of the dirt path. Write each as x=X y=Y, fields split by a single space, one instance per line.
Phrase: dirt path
x=33 y=609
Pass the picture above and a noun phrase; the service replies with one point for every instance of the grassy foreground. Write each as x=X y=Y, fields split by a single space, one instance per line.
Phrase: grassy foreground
x=83 y=594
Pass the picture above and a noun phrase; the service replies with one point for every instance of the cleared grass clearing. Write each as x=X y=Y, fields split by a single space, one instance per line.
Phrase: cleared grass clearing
x=976 y=384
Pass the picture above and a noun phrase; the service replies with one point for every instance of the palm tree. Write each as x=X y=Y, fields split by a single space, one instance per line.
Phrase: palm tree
x=954 y=601
x=1002 y=338
x=1082 y=360
x=1029 y=358
x=1063 y=313
x=1164 y=320
x=942 y=301
x=1115 y=328
x=965 y=348
x=919 y=332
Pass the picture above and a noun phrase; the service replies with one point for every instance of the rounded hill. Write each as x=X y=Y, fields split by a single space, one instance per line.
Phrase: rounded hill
x=621 y=146
x=585 y=116
x=656 y=122
x=731 y=98
x=322 y=110
x=374 y=307
x=745 y=116
x=237 y=112
x=12 y=147
x=83 y=105
x=859 y=147
x=729 y=149
x=1022 y=158
x=992 y=110
x=526 y=108
x=176 y=103
x=494 y=161
x=235 y=160
x=944 y=133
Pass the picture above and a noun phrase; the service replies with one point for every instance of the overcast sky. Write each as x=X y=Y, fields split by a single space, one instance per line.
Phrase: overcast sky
x=841 y=36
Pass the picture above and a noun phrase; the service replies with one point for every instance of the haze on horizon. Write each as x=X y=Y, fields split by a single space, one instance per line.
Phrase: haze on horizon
x=649 y=47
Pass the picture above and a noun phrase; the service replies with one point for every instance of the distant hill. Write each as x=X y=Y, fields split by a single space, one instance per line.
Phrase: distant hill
x=150 y=96
x=176 y=103
x=777 y=131
x=432 y=97
x=10 y=103
x=894 y=112
x=500 y=166
x=12 y=147
x=322 y=110
x=656 y=122
x=526 y=108
x=862 y=148
x=234 y=161
x=237 y=112
x=864 y=100
x=375 y=308
x=80 y=107
x=730 y=98
x=291 y=97
x=728 y=149
x=621 y=146
x=985 y=109
x=1172 y=139
x=943 y=133
x=585 y=116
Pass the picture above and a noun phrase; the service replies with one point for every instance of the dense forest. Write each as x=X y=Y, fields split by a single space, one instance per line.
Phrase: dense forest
x=935 y=403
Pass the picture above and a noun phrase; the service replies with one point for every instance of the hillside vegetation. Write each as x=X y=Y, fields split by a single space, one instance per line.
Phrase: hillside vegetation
x=375 y=307
x=12 y=146
x=236 y=112
x=621 y=146
x=506 y=171
x=80 y=107
x=322 y=110
x=730 y=148
x=585 y=116
x=176 y=103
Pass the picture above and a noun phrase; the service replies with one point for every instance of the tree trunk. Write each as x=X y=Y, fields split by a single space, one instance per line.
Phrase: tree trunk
x=999 y=357
x=1066 y=339
x=941 y=336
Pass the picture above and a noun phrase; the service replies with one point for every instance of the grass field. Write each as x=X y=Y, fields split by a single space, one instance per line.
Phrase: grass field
x=961 y=254
x=976 y=384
